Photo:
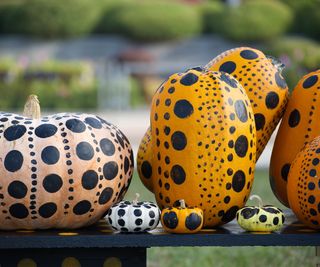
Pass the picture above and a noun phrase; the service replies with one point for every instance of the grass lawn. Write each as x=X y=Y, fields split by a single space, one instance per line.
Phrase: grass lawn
x=231 y=256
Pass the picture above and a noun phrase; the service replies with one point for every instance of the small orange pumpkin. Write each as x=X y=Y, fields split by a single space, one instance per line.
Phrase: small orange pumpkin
x=182 y=220
x=303 y=186
x=299 y=126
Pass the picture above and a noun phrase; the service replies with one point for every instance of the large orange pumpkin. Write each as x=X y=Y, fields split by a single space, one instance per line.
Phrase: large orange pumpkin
x=203 y=141
x=299 y=126
x=261 y=77
x=61 y=171
x=304 y=184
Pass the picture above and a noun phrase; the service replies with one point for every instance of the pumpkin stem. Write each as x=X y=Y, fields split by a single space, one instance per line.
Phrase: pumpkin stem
x=135 y=201
x=182 y=203
x=277 y=63
x=258 y=198
x=32 y=108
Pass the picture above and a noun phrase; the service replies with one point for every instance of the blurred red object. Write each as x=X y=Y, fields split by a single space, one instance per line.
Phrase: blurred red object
x=135 y=55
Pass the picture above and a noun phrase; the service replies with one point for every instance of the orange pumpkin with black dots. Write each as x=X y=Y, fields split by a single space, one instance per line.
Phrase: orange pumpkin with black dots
x=203 y=142
x=304 y=185
x=299 y=126
x=261 y=77
x=182 y=220
x=144 y=160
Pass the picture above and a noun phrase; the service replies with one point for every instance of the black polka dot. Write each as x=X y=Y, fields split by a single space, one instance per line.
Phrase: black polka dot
x=94 y=123
x=183 y=108
x=138 y=221
x=120 y=140
x=193 y=221
x=89 y=180
x=19 y=211
x=110 y=170
x=241 y=146
x=228 y=66
x=310 y=81
x=107 y=147
x=14 y=132
x=276 y=221
x=311 y=199
x=76 y=125
x=285 y=171
x=46 y=130
x=152 y=214
x=178 y=140
x=121 y=222
x=170 y=220
x=260 y=121
x=166 y=130
x=85 y=151
x=249 y=212
x=272 y=100
x=50 y=155
x=262 y=218
x=228 y=80
x=105 y=195
x=126 y=165
x=238 y=181
x=230 y=214
x=315 y=161
x=248 y=54
x=312 y=172
x=294 y=118
x=137 y=212
x=52 y=183
x=82 y=207
x=311 y=186
x=17 y=189
x=121 y=212
x=47 y=210
x=178 y=174
x=189 y=79
x=146 y=169
x=13 y=161
x=280 y=81
x=241 y=110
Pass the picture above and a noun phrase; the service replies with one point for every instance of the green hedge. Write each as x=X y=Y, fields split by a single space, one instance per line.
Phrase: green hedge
x=152 y=21
x=209 y=11
x=253 y=20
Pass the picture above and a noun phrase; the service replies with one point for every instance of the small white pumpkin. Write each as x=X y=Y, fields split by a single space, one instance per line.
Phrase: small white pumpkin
x=134 y=216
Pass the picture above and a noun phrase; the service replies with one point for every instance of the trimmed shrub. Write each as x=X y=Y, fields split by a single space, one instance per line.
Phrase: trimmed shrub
x=209 y=11
x=152 y=21
x=253 y=21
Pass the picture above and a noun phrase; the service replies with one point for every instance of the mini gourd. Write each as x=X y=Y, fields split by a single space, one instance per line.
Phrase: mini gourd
x=182 y=220
x=60 y=171
x=260 y=218
x=135 y=216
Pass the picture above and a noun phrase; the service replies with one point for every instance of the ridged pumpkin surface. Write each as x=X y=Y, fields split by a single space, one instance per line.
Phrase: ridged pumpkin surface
x=299 y=126
x=203 y=140
x=304 y=185
x=265 y=87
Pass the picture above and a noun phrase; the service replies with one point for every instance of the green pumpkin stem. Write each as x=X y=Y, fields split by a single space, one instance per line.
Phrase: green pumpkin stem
x=135 y=201
x=260 y=203
x=182 y=203
x=32 y=108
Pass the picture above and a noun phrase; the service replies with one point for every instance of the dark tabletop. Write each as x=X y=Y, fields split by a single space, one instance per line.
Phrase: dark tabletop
x=101 y=235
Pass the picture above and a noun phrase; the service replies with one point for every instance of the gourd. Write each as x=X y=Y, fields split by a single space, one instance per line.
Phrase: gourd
x=303 y=185
x=299 y=126
x=261 y=77
x=203 y=141
x=60 y=171
x=135 y=216
x=182 y=220
x=260 y=218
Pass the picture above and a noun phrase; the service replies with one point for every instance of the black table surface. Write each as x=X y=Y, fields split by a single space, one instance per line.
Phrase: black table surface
x=101 y=235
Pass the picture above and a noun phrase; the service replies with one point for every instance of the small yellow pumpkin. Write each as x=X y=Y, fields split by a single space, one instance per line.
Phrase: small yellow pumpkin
x=182 y=220
x=260 y=218
x=299 y=126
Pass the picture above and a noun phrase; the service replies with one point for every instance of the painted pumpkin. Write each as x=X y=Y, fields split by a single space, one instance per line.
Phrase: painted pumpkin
x=261 y=77
x=134 y=216
x=182 y=220
x=61 y=171
x=203 y=141
x=260 y=218
x=304 y=184
x=299 y=126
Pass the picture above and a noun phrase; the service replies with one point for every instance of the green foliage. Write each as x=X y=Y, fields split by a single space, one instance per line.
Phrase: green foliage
x=254 y=20
x=209 y=12
x=152 y=21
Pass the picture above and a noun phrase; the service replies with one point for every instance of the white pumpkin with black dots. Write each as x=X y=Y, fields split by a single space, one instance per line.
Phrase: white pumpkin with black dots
x=135 y=216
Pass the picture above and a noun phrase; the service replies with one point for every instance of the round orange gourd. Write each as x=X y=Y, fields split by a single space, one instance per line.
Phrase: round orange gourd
x=203 y=142
x=182 y=220
x=261 y=77
x=304 y=184
x=300 y=124
x=60 y=171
